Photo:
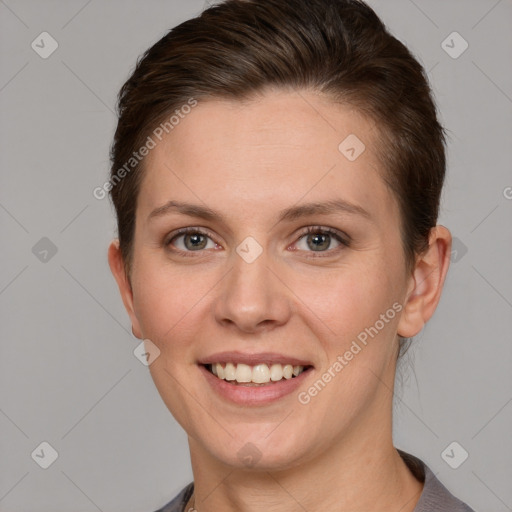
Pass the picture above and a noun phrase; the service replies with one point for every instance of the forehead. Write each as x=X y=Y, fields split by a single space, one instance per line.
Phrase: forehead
x=274 y=149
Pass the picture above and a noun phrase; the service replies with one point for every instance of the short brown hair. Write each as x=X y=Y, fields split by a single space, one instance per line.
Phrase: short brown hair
x=238 y=48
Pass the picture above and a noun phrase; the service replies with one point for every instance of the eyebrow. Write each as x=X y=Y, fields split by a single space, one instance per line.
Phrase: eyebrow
x=288 y=215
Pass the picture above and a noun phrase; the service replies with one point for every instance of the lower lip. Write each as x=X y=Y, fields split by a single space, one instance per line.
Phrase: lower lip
x=254 y=395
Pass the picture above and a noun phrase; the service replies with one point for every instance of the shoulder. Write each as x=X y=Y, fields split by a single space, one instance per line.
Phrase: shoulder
x=435 y=496
x=179 y=502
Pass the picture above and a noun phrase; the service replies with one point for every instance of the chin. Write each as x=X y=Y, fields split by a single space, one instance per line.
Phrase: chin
x=254 y=449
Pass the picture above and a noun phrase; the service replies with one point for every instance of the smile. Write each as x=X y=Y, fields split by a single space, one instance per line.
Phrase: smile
x=254 y=379
x=259 y=374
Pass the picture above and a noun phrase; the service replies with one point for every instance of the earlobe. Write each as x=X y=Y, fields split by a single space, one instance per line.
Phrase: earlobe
x=117 y=267
x=426 y=283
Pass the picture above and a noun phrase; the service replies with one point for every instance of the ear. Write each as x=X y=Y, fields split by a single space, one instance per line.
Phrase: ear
x=117 y=267
x=426 y=283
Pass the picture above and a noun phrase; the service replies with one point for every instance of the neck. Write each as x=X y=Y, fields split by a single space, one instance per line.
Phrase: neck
x=361 y=472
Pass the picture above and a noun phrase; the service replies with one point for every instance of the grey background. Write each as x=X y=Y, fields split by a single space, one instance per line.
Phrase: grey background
x=68 y=375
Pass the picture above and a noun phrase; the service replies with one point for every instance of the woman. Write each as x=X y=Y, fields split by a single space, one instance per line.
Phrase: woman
x=276 y=174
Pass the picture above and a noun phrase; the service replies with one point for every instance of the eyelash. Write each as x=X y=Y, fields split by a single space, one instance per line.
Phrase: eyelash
x=340 y=237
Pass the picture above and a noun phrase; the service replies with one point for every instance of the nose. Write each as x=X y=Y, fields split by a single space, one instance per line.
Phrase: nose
x=252 y=297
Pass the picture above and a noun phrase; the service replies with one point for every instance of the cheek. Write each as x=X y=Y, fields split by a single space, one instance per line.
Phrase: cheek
x=349 y=300
x=359 y=307
x=167 y=300
x=168 y=304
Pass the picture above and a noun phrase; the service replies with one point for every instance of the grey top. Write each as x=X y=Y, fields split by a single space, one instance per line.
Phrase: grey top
x=434 y=498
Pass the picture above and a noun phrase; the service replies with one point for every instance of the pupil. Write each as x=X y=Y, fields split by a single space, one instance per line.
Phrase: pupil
x=195 y=240
x=323 y=239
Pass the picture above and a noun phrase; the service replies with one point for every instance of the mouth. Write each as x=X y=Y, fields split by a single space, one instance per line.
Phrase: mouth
x=254 y=379
x=261 y=374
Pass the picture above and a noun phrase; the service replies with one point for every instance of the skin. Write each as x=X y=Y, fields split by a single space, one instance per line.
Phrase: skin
x=249 y=161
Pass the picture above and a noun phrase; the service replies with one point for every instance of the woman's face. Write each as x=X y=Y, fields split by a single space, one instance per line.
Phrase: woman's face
x=248 y=284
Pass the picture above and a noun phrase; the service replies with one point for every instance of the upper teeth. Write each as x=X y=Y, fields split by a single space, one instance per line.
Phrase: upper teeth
x=258 y=374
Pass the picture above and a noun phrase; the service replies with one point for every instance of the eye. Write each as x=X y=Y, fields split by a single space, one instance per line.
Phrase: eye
x=318 y=239
x=191 y=240
x=314 y=239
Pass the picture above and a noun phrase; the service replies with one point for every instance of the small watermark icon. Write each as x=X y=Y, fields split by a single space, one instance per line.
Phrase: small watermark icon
x=146 y=352
x=44 y=250
x=454 y=45
x=507 y=192
x=352 y=147
x=454 y=455
x=459 y=250
x=249 y=250
x=44 y=455
x=44 y=45
x=249 y=455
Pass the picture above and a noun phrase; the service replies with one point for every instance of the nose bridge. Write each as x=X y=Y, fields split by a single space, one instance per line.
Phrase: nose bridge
x=252 y=296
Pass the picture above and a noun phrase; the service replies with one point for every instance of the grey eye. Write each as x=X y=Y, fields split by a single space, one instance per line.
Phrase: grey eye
x=192 y=241
x=318 y=241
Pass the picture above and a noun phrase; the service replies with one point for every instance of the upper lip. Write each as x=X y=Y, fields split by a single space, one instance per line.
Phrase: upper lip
x=253 y=359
